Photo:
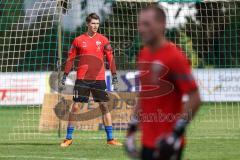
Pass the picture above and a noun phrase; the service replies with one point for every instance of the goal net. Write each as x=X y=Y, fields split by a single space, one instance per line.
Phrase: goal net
x=35 y=36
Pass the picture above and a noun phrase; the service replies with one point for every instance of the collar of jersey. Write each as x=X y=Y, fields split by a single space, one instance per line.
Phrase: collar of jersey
x=92 y=36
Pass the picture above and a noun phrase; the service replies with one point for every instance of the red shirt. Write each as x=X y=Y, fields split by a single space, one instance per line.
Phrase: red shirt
x=90 y=52
x=165 y=76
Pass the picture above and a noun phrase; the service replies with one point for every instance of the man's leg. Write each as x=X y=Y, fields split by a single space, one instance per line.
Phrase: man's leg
x=71 y=123
x=81 y=94
x=107 y=120
x=101 y=96
x=72 y=119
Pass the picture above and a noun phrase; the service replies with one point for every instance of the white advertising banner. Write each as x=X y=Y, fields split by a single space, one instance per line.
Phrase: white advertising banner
x=216 y=85
x=23 y=88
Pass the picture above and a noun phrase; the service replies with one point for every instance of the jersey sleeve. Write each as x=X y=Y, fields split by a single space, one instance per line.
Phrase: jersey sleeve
x=108 y=51
x=71 y=56
x=181 y=74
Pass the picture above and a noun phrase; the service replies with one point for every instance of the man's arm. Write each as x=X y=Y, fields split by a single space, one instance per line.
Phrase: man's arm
x=169 y=146
x=71 y=56
x=192 y=105
x=183 y=79
x=130 y=143
x=109 y=55
x=68 y=66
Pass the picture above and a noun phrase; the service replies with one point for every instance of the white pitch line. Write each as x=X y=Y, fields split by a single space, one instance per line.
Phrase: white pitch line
x=42 y=157
x=216 y=138
x=123 y=138
x=52 y=137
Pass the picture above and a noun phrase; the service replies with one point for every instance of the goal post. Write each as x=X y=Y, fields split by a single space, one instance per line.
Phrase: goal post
x=35 y=36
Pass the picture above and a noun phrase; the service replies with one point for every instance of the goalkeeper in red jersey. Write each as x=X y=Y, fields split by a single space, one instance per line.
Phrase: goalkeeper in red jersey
x=165 y=77
x=90 y=48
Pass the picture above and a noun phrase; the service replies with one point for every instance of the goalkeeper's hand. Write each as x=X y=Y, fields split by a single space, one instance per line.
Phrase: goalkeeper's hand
x=169 y=147
x=115 y=82
x=63 y=82
x=130 y=144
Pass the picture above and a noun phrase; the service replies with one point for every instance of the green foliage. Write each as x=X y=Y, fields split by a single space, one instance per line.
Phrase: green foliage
x=26 y=47
x=214 y=33
x=121 y=28
x=209 y=40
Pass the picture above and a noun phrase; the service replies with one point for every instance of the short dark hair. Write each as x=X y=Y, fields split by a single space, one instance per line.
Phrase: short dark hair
x=92 y=16
x=158 y=9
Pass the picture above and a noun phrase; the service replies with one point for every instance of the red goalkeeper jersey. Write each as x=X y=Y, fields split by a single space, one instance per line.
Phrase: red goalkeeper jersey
x=165 y=76
x=90 y=52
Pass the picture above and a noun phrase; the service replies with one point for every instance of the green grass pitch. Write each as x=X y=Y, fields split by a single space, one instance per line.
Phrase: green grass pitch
x=213 y=135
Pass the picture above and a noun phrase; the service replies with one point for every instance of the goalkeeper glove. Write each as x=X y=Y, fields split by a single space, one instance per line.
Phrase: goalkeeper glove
x=130 y=144
x=63 y=81
x=169 y=147
x=115 y=81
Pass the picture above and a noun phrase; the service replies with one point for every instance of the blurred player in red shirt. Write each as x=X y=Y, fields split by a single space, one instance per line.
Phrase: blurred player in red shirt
x=165 y=77
x=90 y=49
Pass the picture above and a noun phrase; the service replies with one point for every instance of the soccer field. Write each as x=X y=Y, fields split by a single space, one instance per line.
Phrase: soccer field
x=214 y=134
x=39 y=42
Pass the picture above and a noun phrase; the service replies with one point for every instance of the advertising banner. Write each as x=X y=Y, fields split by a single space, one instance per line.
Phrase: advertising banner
x=218 y=85
x=28 y=88
x=25 y=88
